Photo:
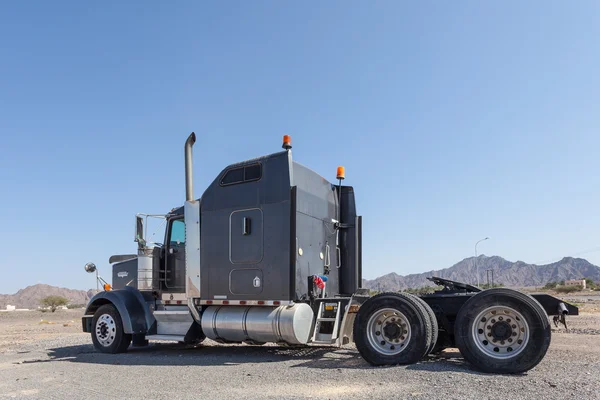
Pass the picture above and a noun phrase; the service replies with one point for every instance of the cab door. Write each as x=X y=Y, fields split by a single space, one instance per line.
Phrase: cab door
x=174 y=276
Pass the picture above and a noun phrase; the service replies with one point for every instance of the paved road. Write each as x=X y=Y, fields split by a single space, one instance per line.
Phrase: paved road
x=68 y=367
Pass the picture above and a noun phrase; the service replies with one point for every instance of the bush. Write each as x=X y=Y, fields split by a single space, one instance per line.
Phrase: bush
x=590 y=283
x=53 y=302
x=73 y=306
x=568 y=289
x=490 y=286
x=550 y=285
x=423 y=290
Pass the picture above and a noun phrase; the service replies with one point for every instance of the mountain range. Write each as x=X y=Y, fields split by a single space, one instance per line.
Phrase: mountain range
x=511 y=274
x=30 y=296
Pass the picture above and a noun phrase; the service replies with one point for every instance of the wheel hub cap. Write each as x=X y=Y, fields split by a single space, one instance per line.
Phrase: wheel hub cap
x=388 y=331
x=105 y=330
x=392 y=330
x=500 y=332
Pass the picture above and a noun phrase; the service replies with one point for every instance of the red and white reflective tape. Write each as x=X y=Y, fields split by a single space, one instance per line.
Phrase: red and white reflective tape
x=270 y=303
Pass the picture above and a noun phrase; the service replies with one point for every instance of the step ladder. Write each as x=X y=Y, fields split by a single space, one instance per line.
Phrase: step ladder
x=319 y=337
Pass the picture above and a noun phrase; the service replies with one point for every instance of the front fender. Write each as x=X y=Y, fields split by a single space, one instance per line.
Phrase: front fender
x=134 y=311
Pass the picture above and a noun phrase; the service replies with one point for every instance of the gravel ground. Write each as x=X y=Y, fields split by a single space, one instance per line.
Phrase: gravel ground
x=57 y=361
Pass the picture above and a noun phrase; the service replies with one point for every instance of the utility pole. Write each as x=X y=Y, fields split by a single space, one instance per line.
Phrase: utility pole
x=488 y=277
x=476 y=263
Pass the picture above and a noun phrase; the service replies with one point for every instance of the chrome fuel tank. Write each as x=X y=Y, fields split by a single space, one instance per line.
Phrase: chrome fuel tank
x=289 y=324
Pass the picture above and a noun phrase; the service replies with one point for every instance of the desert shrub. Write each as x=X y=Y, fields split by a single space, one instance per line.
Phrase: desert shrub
x=73 y=306
x=589 y=283
x=490 y=286
x=550 y=285
x=568 y=289
x=423 y=290
x=53 y=302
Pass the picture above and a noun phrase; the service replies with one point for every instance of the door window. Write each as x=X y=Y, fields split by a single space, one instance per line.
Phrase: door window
x=177 y=233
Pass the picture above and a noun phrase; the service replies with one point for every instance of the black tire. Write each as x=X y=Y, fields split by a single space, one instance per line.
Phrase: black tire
x=412 y=347
x=530 y=326
x=432 y=321
x=108 y=335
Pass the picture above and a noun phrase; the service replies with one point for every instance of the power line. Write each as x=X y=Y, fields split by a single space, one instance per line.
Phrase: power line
x=575 y=254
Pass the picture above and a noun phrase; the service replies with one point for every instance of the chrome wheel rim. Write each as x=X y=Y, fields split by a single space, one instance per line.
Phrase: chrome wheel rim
x=500 y=332
x=388 y=331
x=106 y=330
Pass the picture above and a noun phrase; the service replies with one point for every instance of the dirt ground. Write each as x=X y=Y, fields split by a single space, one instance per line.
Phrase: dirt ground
x=45 y=355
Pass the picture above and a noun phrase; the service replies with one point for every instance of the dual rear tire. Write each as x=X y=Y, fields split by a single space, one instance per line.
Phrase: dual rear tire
x=502 y=331
x=497 y=330
x=394 y=328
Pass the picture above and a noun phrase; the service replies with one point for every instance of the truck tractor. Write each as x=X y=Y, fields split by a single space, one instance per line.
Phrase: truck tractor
x=272 y=252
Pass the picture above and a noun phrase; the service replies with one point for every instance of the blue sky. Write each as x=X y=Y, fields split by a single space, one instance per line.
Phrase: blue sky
x=454 y=120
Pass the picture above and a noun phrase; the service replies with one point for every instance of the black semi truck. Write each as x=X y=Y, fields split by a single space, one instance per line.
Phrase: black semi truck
x=271 y=252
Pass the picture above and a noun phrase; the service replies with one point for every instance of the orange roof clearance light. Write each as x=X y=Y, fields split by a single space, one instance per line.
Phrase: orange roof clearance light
x=341 y=173
x=287 y=142
x=107 y=286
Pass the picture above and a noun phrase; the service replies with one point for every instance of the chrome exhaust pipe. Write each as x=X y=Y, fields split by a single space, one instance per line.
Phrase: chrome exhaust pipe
x=189 y=184
x=562 y=309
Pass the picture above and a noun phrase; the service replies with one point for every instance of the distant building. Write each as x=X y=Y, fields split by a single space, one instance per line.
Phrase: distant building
x=576 y=282
x=10 y=308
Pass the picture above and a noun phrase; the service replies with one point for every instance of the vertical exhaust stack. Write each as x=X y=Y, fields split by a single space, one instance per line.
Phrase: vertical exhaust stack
x=189 y=182
x=191 y=212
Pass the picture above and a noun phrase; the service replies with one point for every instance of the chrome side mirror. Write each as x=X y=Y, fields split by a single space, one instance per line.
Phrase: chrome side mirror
x=139 y=230
x=90 y=267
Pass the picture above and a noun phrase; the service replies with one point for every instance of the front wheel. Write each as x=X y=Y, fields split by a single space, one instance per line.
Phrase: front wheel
x=107 y=331
x=502 y=331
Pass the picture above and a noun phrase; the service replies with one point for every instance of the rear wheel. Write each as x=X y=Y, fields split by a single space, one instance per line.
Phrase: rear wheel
x=432 y=321
x=392 y=328
x=502 y=331
x=107 y=331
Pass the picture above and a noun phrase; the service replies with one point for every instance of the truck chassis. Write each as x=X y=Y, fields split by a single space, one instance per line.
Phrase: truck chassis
x=232 y=268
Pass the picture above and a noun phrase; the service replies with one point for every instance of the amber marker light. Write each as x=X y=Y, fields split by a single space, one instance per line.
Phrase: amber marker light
x=341 y=173
x=287 y=142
